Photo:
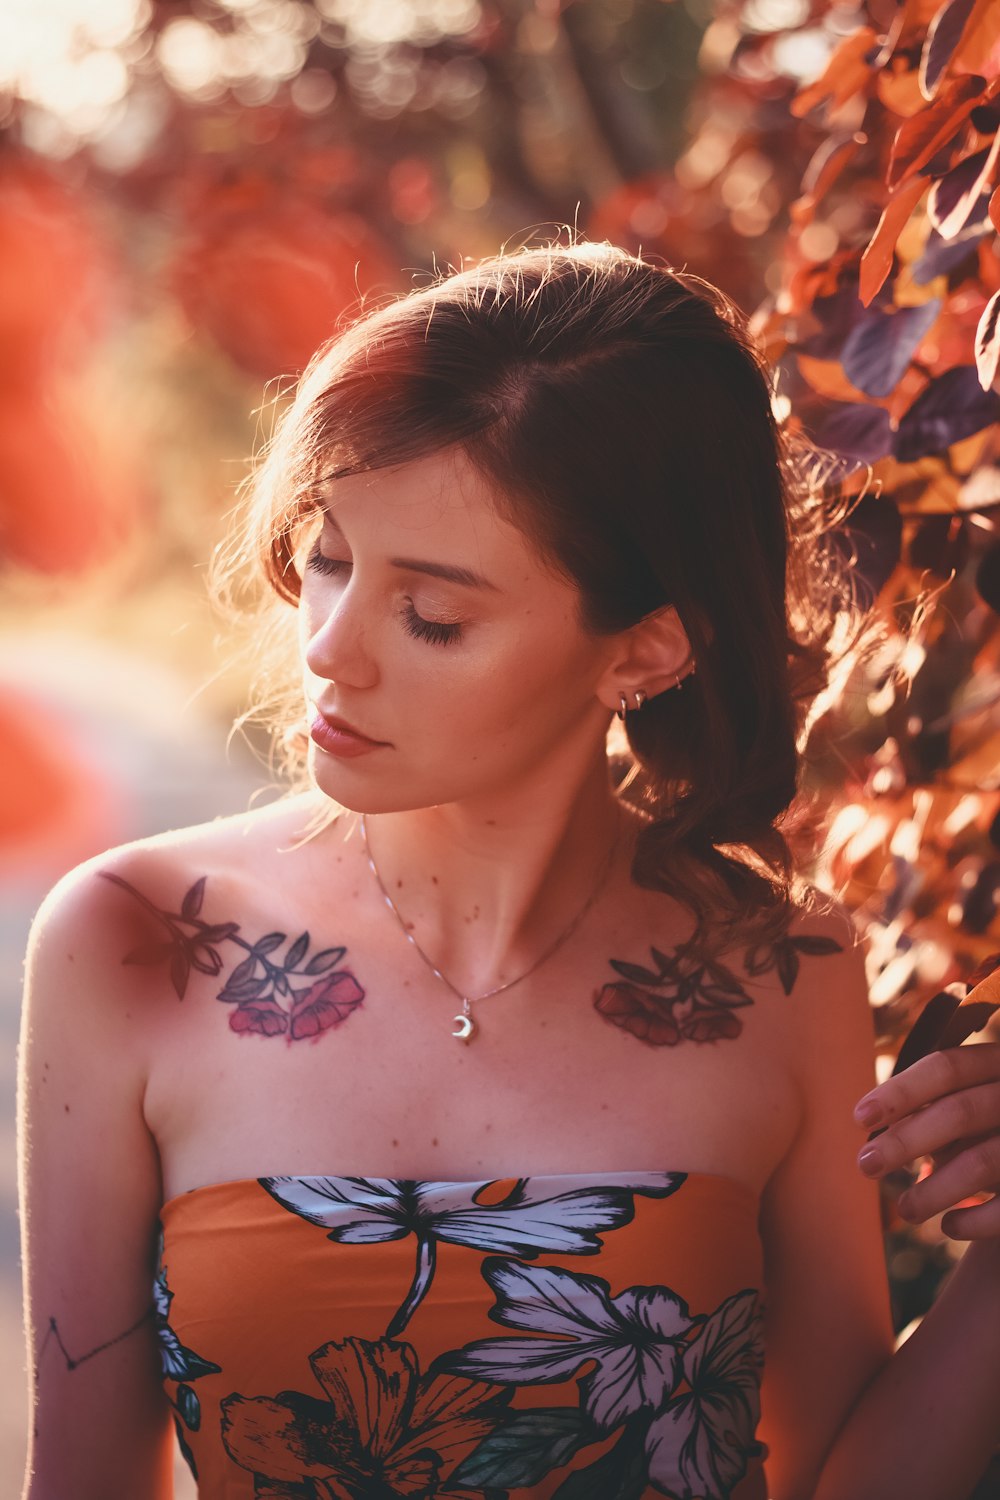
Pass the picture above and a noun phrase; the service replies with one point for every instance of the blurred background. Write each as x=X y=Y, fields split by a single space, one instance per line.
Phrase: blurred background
x=195 y=193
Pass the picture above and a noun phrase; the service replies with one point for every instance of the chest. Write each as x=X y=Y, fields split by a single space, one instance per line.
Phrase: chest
x=578 y=1069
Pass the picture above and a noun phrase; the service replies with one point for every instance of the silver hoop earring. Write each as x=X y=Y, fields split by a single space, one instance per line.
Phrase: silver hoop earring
x=640 y=698
x=621 y=712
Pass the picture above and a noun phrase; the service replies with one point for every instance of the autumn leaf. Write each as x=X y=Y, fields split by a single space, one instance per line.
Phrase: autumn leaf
x=918 y=138
x=943 y=36
x=876 y=262
x=845 y=73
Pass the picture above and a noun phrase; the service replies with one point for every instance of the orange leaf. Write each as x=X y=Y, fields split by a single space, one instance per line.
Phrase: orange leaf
x=828 y=161
x=919 y=137
x=876 y=262
x=844 y=74
x=899 y=90
x=979 y=49
x=827 y=377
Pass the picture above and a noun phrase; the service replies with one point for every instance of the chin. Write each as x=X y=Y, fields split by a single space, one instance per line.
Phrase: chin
x=356 y=793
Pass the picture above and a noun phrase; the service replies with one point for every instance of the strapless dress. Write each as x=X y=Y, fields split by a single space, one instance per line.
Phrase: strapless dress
x=589 y=1336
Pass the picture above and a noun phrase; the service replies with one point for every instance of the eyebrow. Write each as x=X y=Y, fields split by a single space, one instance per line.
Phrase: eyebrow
x=449 y=572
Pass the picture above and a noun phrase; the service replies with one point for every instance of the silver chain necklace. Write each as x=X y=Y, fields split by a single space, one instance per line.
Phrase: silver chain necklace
x=467 y=1027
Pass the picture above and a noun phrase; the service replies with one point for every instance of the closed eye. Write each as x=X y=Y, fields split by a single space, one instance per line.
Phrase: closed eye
x=436 y=632
x=323 y=564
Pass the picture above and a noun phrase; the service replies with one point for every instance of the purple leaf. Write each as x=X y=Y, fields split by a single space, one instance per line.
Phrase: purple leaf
x=939 y=257
x=952 y=407
x=879 y=349
x=836 y=315
x=854 y=431
x=191 y=905
x=954 y=196
x=943 y=36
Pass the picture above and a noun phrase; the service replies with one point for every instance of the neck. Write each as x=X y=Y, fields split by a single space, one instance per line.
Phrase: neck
x=484 y=889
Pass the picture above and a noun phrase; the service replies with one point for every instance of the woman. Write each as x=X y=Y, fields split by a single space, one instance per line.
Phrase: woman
x=583 y=1061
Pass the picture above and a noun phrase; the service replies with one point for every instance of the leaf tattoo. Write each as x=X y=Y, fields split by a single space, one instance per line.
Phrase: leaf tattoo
x=688 y=997
x=326 y=998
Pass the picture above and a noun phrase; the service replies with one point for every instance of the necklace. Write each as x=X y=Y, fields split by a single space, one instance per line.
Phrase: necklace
x=467 y=1027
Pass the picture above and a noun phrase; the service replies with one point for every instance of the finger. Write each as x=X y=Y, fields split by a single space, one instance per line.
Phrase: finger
x=935 y=1075
x=976 y=1170
x=981 y=1222
x=934 y=1130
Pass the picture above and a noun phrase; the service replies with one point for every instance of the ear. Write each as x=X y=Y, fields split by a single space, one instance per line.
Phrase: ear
x=648 y=658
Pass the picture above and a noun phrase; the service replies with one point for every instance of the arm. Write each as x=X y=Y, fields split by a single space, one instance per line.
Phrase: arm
x=90 y=1194
x=940 y=1391
x=827 y=1322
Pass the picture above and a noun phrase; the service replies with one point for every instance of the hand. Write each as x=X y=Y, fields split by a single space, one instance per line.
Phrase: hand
x=946 y=1106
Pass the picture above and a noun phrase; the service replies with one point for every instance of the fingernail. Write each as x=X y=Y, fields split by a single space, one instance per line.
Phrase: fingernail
x=904 y=1207
x=867 y=1112
x=870 y=1161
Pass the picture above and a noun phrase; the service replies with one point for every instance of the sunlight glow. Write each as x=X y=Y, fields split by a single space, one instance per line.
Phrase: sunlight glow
x=385 y=22
x=66 y=57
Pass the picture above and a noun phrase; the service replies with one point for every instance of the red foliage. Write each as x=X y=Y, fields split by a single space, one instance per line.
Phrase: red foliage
x=267 y=269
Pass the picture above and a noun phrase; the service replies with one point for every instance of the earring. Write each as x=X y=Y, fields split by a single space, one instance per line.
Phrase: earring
x=640 y=699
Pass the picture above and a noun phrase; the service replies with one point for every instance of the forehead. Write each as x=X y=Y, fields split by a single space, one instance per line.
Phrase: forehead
x=440 y=501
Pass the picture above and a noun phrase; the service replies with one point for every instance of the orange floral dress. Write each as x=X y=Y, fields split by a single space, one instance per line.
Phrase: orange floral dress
x=587 y=1337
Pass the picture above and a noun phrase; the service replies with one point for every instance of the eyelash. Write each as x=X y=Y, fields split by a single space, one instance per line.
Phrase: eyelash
x=437 y=632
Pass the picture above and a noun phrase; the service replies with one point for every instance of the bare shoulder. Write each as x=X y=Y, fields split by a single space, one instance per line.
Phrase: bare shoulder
x=85 y=903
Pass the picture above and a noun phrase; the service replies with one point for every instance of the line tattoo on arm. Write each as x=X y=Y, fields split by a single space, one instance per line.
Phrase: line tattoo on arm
x=73 y=1361
x=295 y=997
x=685 y=997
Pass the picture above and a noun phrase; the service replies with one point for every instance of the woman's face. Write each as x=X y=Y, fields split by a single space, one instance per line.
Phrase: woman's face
x=435 y=630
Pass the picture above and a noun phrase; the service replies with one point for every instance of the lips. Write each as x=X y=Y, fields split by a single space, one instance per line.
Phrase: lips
x=333 y=721
x=340 y=739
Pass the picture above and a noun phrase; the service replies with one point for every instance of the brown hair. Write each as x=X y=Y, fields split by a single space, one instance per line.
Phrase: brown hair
x=625 y=421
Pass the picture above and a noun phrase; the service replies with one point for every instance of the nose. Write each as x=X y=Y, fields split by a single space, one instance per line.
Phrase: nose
x=336 y=644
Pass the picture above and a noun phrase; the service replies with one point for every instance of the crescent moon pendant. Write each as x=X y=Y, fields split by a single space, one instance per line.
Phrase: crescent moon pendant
x=466 y=1028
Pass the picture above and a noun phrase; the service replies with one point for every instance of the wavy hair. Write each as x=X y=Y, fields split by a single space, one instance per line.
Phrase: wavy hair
x=624 y=418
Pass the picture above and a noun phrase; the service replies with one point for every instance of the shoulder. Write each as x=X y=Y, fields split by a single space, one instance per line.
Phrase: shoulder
x=818 y=945
x=241 y=843
x=111 y=904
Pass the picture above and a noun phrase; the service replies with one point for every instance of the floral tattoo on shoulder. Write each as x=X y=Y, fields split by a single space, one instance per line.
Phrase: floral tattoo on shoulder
x=295 y=996
x=686 y=997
